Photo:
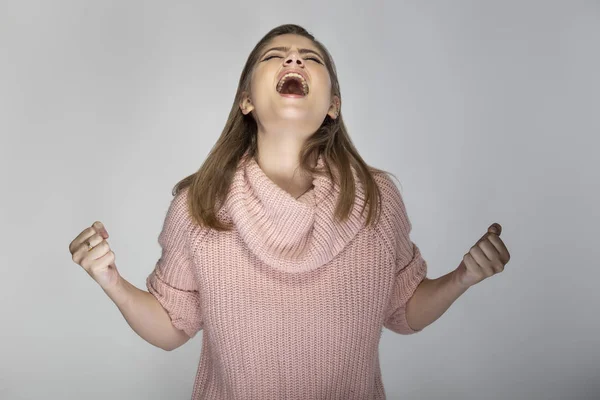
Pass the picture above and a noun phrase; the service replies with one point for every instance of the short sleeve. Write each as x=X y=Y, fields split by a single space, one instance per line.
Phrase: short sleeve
x=172 y=281
x=409 y=266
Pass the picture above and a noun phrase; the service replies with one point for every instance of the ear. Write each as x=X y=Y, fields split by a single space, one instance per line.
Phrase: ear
x=246 y=104
x=334 y=109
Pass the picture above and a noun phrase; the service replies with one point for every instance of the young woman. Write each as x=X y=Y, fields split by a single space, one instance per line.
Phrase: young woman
x=285 y=248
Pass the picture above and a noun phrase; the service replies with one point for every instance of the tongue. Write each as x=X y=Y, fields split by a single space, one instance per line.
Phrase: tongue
x=292 y=86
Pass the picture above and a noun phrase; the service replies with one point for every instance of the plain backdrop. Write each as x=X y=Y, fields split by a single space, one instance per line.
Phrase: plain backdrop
x=487 y=111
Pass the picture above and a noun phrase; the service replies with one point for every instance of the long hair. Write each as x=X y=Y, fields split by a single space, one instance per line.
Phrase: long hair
x=209 y=186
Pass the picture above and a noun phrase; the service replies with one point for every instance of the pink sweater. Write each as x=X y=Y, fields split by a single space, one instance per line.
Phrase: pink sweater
x=291 y=303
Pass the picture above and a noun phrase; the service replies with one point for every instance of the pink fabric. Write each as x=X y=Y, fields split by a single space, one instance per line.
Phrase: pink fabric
x=291 y=303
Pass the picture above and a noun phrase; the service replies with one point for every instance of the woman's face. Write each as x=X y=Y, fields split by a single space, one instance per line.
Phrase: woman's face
x=276 y=111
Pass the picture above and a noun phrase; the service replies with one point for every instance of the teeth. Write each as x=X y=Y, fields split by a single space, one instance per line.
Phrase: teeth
x=295 y=75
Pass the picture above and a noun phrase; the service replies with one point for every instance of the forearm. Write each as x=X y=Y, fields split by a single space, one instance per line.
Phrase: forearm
x=146 y=316
x=431 y=299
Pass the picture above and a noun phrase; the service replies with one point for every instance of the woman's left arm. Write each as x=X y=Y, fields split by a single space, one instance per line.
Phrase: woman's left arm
x=433 y=297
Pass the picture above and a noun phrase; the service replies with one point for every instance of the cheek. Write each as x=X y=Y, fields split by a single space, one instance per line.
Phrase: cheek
x=325 y=79
x=260 y=86
x=323 y=85
x=322 y=90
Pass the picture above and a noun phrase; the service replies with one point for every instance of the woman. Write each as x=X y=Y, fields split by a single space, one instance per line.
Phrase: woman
x=285 y=248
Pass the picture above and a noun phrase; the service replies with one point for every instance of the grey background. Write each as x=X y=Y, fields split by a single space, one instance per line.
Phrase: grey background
x=486 y=111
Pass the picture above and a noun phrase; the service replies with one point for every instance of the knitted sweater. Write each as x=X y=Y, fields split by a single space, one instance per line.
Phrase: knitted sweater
x=291 y=302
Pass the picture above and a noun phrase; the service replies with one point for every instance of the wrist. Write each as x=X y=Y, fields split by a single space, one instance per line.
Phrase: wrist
x=117 y=291
x=457 y=278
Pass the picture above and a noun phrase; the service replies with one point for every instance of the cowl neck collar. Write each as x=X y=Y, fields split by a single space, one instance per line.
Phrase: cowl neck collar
x=288 y=234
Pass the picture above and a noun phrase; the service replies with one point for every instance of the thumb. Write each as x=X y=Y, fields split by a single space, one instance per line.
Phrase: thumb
x=495 y=228
x=99 y=227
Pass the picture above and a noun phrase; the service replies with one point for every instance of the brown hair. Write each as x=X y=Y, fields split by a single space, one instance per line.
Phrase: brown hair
x=210 y=184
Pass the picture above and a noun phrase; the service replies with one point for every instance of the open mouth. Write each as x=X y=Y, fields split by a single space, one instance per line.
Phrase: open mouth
x=292 y=85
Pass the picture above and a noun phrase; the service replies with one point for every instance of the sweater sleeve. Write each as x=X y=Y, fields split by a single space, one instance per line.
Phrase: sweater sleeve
x=409 y=266
x=172 y=281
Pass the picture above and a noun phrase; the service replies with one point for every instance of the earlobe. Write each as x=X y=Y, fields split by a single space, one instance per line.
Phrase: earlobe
x=246 y=106
x=335 y=108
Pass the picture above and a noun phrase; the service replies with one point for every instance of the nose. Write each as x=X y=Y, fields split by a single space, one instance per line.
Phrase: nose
x=292 y=58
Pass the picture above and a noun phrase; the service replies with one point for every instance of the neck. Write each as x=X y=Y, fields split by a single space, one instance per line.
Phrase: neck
x=280 y=161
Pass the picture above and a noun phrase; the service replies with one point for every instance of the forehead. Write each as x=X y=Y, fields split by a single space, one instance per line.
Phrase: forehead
x=291 y=40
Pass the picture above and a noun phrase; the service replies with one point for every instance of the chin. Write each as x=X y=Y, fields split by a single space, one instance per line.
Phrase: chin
x=295 y=113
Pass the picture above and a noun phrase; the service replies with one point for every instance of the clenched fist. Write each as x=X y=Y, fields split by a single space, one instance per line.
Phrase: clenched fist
x=486 y=258
x=92 y=252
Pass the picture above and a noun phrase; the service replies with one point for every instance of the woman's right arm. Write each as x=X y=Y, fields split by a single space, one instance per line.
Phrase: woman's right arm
x=141 y=309
x=145 y=315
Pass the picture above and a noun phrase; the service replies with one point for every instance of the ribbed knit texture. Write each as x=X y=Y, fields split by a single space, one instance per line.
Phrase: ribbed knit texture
x=291 y=303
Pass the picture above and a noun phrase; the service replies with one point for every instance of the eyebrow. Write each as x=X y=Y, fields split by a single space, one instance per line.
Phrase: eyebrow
x=284 y=49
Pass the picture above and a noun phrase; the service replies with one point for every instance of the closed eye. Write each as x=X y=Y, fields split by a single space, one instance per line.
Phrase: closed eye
x=308 y=58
